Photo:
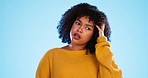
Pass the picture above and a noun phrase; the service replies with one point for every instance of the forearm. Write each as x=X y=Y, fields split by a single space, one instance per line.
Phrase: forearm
x=108 y=67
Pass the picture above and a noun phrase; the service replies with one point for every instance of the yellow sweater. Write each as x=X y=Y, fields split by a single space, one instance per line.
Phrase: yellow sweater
x=61 y=63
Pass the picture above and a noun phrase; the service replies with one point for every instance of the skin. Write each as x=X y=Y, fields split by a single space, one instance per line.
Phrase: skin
x=101 y=29
x=84 y=28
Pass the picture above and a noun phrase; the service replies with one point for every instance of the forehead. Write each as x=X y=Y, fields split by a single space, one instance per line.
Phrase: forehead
x=86 y=19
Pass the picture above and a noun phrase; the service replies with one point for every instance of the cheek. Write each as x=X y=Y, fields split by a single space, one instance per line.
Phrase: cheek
x=89 y=36
x=73 y=28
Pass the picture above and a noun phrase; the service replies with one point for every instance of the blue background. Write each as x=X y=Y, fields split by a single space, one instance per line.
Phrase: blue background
x=28 y=30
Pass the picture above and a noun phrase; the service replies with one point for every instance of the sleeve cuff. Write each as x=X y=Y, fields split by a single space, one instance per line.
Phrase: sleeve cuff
x=101 y=39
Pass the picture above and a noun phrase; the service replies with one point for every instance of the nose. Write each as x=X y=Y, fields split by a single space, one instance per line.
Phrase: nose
x=80 y=29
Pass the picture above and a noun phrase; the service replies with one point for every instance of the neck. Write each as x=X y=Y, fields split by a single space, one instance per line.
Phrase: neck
x=74 y=47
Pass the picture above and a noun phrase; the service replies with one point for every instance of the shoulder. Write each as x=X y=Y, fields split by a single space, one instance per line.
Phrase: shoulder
x=53 y=50
x=50 y=52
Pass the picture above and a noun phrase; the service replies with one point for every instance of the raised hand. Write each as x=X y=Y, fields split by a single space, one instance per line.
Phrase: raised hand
x=101 y=29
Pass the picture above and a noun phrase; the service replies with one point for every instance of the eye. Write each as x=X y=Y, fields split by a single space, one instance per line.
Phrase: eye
x=78 y=23
x=87 y=28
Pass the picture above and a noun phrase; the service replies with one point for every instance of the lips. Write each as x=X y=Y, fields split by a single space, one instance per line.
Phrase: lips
x=76 y=36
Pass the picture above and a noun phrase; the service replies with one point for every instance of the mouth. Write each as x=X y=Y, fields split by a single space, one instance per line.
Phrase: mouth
x=76 y=36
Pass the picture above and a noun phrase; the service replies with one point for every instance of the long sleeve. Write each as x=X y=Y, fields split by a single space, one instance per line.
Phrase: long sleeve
x=43 y=70
x=107 y=66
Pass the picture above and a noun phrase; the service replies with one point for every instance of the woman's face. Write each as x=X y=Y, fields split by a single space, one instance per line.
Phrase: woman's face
x=81 y=31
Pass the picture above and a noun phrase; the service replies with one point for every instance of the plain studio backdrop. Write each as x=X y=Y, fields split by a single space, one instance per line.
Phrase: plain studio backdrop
x=28 y=30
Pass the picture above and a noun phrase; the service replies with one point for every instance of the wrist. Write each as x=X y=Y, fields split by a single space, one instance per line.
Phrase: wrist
x=101 y=34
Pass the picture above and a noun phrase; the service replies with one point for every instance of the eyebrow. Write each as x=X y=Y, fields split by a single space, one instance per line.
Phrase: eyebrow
x=86 y=24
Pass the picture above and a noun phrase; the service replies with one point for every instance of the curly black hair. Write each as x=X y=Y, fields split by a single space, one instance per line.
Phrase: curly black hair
x=80 y=10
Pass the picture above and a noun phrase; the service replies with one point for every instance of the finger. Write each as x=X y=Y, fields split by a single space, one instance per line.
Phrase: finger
x=99 y=28
x=102 y=26
x=101 y=32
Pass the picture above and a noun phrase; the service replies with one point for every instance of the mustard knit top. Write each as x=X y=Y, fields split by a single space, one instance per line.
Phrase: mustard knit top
x=62 y=63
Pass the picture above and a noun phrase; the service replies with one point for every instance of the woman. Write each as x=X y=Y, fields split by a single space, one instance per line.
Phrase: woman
x=88 y=54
